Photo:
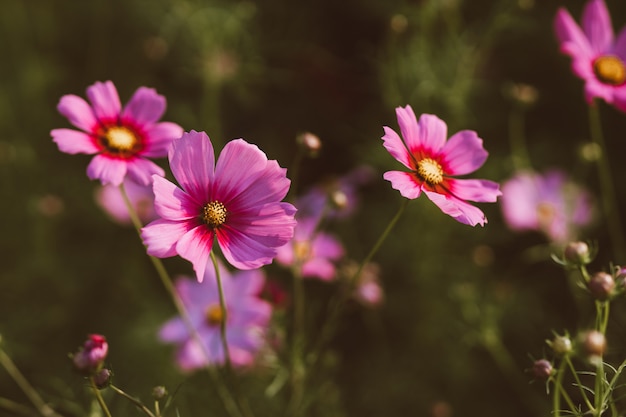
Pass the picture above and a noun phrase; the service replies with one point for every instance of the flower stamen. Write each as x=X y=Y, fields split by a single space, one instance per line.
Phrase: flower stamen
x=214 y=315
x=610 y=70
x=120 y=141
x=430 y=171
x=214 y=214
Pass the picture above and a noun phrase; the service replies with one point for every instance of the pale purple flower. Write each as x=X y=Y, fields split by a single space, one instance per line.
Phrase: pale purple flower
x=313 y=252
x=597 y=57
x=120 y=138
x=432 y=159
x=237 y=201
x=548 y=203
x=141 y=197
x=247 y=318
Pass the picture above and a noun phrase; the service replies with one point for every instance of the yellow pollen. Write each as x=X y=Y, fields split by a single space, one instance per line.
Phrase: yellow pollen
x=120 y=141
x=214 y=315
x=610 y=70
x=430 y=171
x=301 y=250
x=214 y=214
x=545 y=214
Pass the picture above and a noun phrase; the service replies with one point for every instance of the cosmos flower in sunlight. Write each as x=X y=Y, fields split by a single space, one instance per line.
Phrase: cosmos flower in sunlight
x=312 y=251
x=109 y=198
x=237 y=201
x=597 y=57
x=247 y=318
x=120 y=139
x=548 y=203
x=432 y=160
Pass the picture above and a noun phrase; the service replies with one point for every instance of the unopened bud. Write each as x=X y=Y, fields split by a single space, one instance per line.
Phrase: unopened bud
x=339 y=199
x=601 y=285
x=310 y=142
x=561 y=345
x=102 y=378
x=90 y=358
x=542 y=369
x=159 y=392
x=577 y=253
x=593 y=343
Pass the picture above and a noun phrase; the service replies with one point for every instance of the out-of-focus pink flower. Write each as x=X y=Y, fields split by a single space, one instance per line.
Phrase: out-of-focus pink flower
x=109 y=198
x=237 y=200
x=90 y=358
x=335 y=198
x=120 y=138
x=432 y=159
x=368 y=290
x=312 y=251
x=247 y=318
x=547 y=203
x=597 y=57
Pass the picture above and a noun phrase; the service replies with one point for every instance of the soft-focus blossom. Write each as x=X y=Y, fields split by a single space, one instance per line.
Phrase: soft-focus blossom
x=237 y=201
x=432 y=159
x=90 y=358
x=109 y=198
x=597 y=57
x=313 y=252
x=335 y=197
x=368 y=290
x=247 y=317
x=120 y=138
x=548 y=203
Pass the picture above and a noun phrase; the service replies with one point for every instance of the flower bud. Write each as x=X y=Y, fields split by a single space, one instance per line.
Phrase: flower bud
x=542 y=369
x=91 y=356
x=577 y=253
x=593 y=343
x=601 y=285
x=309 y=142
x=159 y=392
x=561 y=345
x=102 y=378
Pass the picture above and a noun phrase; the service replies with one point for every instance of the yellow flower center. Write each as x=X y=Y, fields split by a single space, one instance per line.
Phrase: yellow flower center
x=214 y=214
x=610 y=70
x=430 y=171
x=301 y=250
x=545 y=214
x=214 y=315
x=120 y=141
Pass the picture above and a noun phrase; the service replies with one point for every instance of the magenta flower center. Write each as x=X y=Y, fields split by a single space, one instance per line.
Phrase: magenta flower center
x=214 y=315
x=120 y=141
x=610 y=70
x=430 y=171
x=214 y=214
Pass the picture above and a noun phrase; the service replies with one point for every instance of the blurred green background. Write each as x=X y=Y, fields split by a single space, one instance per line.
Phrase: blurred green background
x=467 y=309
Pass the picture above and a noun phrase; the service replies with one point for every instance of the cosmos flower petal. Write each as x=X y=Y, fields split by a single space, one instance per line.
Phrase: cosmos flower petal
x=405 y=182
x=73 y=142
x=243 y=251
x=395 y=146
x=161 y=136
x=105 y=100
x=319 y=267
x=173 y=331
x=432 y=134
x=458 y=209
x=145 y=106
x=595 y=89
x=171 y=202
x=464 y=153
x=484 y=191
x=161 y=236
x=141 y=170
x=619 y=48
x=597 y=25
x=572 y=39
x=327 y=246
x=78 y=112
x=272 y=224
x=195 y=246
x=108 y=170
x=192 y=162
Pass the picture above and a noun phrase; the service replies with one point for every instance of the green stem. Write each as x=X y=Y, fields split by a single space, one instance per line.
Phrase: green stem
x=297 y=369
x=98 y=394
x=229 y=403
x=133 y=400
x=519 y=151
x=583 y=392
x=607 y=188
x=19 y=378
x=220 y=289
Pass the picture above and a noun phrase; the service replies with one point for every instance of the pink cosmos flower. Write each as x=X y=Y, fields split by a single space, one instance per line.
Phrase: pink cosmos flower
x=90 y=357
x=247 y=318
x=597 y=57
x=547 y=203
x=312 y=251
x=120 y=139
x=109 y=198
x=237 y=200
x=432 y=160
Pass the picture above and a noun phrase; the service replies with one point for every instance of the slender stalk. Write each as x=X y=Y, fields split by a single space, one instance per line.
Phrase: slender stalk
x=297 y=369
x=220 y=289
x=229 y=403
x=519 y=151
x=583 y=392
x=607 y=188
x=133 y=400
x=44 y=409
x=98 y=395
